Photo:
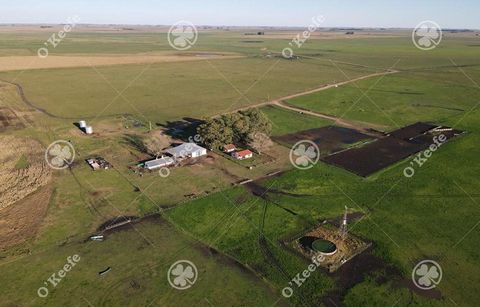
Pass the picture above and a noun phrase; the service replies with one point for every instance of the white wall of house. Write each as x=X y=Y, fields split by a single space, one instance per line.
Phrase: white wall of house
x=199 y=153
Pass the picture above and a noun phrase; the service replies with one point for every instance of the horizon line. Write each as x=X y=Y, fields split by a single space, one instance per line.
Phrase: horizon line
x=230 y=26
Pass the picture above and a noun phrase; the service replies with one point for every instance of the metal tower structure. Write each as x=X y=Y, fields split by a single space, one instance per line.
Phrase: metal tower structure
x=343 y=226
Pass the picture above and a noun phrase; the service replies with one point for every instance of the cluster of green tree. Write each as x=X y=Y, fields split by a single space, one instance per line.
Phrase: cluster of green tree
x=243 y=127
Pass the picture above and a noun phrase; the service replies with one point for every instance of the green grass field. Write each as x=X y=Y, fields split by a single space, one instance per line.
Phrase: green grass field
x=139 y=259
x=167 y=91
x=285 y=121
x=400 y=99
x=235 y=237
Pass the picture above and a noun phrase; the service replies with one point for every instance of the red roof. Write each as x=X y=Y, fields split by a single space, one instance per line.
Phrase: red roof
x=229 y=147
x=243 y=153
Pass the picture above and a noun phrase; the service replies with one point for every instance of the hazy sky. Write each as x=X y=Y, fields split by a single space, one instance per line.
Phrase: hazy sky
x=358 y=13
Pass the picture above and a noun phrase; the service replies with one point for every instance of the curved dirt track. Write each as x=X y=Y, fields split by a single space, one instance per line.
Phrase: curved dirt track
x=280 y=102
x=32 y=105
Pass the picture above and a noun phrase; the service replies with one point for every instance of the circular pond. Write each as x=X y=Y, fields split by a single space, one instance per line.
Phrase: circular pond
x=324 y=246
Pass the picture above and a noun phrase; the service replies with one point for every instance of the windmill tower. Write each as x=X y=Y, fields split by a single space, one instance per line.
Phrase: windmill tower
x=343 y=226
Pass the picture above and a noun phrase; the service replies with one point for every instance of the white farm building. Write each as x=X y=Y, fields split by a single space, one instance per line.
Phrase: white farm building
x=158 y=163
x=187 y=150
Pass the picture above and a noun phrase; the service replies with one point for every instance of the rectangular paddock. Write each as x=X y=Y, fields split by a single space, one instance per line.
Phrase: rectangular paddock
x=396 y=146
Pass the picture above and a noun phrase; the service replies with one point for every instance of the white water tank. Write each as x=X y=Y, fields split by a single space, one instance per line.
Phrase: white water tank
x=82 y=124
x=88 y=130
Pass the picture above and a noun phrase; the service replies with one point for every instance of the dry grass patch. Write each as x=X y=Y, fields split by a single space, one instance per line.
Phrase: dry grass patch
x=20 y=222
x=10 y=63
x=22 y=169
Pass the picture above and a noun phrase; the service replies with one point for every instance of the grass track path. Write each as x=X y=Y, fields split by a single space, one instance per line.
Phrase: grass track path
x=280 y=102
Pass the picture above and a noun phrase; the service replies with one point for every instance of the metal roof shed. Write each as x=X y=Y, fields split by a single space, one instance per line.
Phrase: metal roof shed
x=157 y=163
x=187 y=150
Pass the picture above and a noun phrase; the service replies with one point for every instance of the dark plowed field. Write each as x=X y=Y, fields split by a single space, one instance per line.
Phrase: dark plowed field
x=375 y=156
x=387 y=151
x=329 y=139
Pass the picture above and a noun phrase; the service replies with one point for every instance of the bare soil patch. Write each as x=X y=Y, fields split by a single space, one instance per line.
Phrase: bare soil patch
x=398 y=145
x=12 y=115
x=373 y=157
x=9 y=119
x=329 y=139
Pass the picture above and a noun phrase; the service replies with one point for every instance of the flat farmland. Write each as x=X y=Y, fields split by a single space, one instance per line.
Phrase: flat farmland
x=285 y=121
x=138 y=258
x=236 y=234
x=21 y=63
x=400 y=99
x=167 y=91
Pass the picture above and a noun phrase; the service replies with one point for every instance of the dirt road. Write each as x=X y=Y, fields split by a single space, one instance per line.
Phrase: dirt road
x=32 y=105
x=280 y=102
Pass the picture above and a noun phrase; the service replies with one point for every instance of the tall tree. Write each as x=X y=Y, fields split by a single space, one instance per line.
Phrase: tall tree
x=234 y=128
x=260 y=142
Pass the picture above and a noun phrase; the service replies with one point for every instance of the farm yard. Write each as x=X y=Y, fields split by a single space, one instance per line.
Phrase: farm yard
x=237 y=234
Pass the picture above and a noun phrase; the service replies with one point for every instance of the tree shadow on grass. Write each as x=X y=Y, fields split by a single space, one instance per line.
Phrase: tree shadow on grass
x=184 y=129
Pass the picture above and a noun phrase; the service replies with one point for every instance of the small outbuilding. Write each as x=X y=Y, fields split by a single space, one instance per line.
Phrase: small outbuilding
x=187 y=150
x=229 y=148
x=243 y=154
x=158 y=163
